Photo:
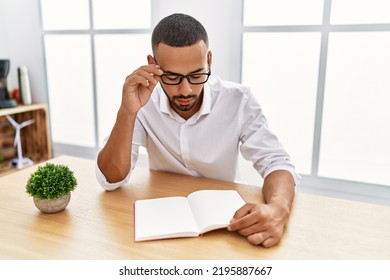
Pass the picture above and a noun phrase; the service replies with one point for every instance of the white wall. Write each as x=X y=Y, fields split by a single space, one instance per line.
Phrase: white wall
x=20 y=41
x=3 y=47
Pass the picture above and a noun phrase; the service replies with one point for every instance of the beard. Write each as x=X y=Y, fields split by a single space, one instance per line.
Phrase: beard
x=184 y=103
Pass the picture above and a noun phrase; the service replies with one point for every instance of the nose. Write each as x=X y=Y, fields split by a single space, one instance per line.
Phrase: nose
x=185 y=88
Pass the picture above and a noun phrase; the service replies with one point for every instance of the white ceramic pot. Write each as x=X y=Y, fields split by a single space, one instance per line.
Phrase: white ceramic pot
x=50 y=206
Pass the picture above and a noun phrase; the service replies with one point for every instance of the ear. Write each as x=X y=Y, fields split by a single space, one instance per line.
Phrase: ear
x=151 y=59
x=209 y=58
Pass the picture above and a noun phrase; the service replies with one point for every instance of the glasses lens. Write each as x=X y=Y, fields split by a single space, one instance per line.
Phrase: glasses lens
x=198 y=78
x=171 y=79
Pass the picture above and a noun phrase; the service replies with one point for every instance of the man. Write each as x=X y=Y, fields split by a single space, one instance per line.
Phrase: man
x=194 y=124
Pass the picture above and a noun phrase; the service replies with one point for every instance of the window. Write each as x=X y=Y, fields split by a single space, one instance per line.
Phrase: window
x=70 y=87
x=282 y=70
x=282 y=12
x=320 y=69
x=116 y=55
x=87 y=59
x=355 y=130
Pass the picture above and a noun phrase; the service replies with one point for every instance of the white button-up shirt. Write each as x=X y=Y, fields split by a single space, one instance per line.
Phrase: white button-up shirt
x=230 y=120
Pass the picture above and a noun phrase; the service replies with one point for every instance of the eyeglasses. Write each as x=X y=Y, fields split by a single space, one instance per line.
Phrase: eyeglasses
x=176 y=79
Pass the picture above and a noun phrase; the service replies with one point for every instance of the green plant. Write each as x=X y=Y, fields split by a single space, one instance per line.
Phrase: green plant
x=51 y=181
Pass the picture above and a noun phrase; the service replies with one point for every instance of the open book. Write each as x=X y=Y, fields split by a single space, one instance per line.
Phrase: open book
x=191 y=216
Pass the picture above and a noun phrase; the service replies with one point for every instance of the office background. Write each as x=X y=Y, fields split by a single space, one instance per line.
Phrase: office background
x=319 y=68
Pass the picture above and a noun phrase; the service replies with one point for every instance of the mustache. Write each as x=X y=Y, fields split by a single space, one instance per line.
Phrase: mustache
x=184 y=97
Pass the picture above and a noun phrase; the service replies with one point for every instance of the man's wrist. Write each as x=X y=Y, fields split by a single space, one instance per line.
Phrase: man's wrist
x=126 y=113
x=281 y=201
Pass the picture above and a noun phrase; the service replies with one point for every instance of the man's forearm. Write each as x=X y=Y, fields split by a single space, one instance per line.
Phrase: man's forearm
x=114 y=160
x=279 y=187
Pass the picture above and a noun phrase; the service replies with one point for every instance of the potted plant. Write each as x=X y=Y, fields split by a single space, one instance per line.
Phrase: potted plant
x=50 y=186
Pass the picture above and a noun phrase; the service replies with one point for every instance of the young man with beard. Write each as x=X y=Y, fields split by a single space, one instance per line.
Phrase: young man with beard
x=196 y=124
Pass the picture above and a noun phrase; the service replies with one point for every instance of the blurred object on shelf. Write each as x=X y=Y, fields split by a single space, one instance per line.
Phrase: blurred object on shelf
x=5 y=100
x=24 y=85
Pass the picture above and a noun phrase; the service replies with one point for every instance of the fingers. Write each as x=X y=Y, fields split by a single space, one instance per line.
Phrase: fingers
x=139 y=79
x=250 y=224
x=257 y=238
x=243 y=211
x=270 y=242
x=258 y=224
x=147 y=76
x=263 y=239
x=247 y=216
x=138 y=87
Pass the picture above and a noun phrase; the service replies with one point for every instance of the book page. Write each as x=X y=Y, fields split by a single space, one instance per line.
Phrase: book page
x=163 y=218
x=214 y=209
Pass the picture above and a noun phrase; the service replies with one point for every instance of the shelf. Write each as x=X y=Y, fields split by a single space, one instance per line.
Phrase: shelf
x=36 y=143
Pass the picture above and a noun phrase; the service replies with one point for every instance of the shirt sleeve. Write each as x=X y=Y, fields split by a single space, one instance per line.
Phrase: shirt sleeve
x=259 y=144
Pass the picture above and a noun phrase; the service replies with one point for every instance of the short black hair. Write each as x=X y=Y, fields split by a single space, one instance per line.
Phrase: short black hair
x=179 y=30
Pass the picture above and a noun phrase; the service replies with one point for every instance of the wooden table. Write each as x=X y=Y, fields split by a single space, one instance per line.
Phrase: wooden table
x=99 y=224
